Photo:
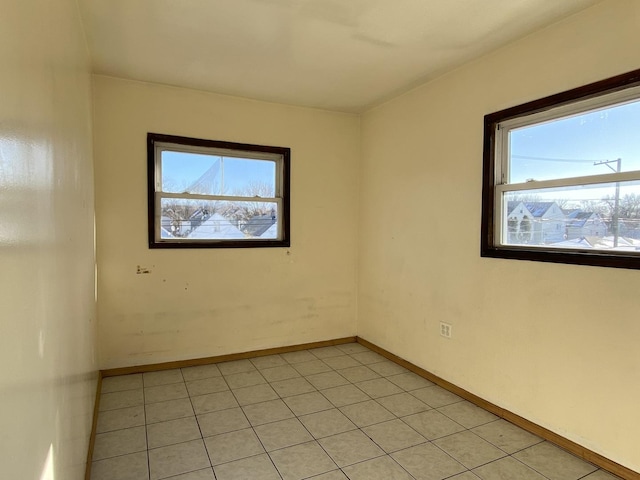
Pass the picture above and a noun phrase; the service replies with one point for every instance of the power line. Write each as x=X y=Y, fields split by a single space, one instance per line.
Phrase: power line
x=565 y=160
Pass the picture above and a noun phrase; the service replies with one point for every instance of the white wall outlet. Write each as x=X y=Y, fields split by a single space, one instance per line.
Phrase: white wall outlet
x=445 y=330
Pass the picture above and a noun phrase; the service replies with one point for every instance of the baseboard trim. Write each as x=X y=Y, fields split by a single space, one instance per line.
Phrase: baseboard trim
x=542 y=432
x=154 y=367
x=94 y=426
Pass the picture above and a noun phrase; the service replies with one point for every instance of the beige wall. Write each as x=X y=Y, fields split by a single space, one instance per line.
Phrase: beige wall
x=203 y=302
x=47 y=325
x=557 y=344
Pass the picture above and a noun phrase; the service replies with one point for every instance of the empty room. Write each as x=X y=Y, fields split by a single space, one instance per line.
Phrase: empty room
x=320 y=239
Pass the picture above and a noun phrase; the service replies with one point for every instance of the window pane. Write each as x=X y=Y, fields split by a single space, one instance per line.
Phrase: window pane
x=580 y=145
x=596 y=217
x=217 y=175
x=218 y=220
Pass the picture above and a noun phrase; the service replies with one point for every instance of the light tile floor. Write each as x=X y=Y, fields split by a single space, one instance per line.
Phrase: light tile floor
x=329 y=413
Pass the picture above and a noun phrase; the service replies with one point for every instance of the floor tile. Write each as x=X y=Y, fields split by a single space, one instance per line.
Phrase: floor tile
x=343 y=361
x=119 y=442
x=553 y=462
x=206 y=385
x=333 y=475
x=432 y=424
x=282 y=372
x=244 y=379
x=367 y=358
x=327 y=380
x=121 y=399
x=367 y=413
x=350 y=348
x=222 y=421
x=469 y=449
x=428 y=462
x=506 y=436
x=170 y=410
x=436 y=396
x=358 y=374
x=601 y=475
x=235 y=366
x=212 y=402
x=177 y=459
x=162 y=393
x=292 y=386
x=267 y=361
x=409 y=381
x=467 y=414
x=378 y=387
x=393 y=435
x=387 y=368
x=120 y=383
x=302 y=461
x=254 y=394
x=326 y=352
x=163 y=377
x=258 y=467
x=312 y=367
x=200 y=371
x=308 y=403
x=231 y=446
x=124 y=467
x=266 y=412
x=284 y=433
x=298 y=357
x=345 y=395
x=381 y=468
x=468 y=476
x=121 y=418
x=206 y=474
x=173 y=431
x=403 y=404
x=506 y=469
x=350 y=447
x=327 y=422
x=242 y=416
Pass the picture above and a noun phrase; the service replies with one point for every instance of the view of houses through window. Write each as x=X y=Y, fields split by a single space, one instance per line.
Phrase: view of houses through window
x=212 y=191
x=567 y=176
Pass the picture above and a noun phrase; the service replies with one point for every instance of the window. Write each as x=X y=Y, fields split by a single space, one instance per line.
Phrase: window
x=206 y=193
x=561 y=177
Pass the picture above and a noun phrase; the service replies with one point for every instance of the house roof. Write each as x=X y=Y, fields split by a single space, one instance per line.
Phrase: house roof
x=538 y=209
x=218 y=227
x=258 y=225
x=578 y=218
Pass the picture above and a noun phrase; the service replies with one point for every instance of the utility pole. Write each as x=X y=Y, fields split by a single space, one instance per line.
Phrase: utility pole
x=615 y=216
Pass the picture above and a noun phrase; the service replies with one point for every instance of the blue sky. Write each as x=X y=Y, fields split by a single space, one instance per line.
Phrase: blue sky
x=179 y=170
x=569 y=147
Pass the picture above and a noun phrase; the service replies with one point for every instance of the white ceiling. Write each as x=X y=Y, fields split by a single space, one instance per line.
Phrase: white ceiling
x=345 y=55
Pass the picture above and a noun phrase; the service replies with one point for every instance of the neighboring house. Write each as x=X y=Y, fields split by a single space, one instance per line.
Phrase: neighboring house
x=258 y=225
x=584 y=224
x=216 y=227
x=173 y=227
x=519 y=223
x=548 y=222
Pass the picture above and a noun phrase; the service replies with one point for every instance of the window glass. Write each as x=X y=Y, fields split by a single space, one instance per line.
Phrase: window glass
x=575 y=146
x=206 y=193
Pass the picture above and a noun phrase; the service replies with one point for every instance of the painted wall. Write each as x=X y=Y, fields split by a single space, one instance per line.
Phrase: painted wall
x=47 y=326
x=202 y=302
x=557 y=344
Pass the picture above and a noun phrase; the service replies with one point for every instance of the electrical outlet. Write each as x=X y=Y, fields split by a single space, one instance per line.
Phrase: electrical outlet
x=445 y=330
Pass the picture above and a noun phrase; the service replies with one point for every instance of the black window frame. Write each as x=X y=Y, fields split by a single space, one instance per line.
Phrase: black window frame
x=152 y=182
x=490 y=246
